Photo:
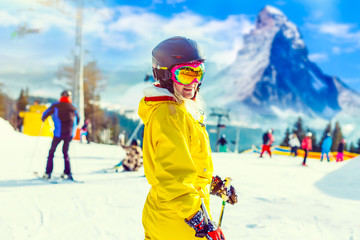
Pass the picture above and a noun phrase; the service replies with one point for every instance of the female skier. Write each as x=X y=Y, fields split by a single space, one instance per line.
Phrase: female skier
x=176 y=149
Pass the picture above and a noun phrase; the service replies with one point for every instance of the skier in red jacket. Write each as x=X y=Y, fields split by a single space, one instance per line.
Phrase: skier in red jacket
x=268 y=140
x=306 y=144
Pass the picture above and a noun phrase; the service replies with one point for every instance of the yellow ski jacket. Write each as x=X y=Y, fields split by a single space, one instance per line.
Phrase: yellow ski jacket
x=178 y=166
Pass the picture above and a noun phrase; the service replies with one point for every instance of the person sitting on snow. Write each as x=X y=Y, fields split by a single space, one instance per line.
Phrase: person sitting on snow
x=133 y=159
x=85 y=131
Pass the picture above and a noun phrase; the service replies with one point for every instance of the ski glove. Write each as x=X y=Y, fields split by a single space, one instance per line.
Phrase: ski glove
x=232 y=196
x=218 y=188
x=205 y=228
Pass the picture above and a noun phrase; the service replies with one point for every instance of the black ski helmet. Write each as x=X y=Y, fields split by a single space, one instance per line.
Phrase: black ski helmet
x=170 y=52
x=66 y=93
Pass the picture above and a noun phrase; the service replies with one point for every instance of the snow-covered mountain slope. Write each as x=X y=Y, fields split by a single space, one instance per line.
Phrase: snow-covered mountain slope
x=278 y=199
x=273 y=71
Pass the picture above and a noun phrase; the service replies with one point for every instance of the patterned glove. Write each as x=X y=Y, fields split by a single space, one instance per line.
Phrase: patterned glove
x=232 y=196
x=205 y=228
x=218 y=188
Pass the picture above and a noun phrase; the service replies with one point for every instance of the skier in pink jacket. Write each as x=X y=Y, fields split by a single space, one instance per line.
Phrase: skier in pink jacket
x=306 y=144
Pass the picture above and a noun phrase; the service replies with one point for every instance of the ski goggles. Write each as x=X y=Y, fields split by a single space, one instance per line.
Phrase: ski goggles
x=187 y=73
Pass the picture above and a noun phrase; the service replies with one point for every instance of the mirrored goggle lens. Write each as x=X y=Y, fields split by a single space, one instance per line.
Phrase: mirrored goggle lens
x=186 y=74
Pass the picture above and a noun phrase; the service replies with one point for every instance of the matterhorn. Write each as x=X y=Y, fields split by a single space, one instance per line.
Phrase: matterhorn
x=272 y=74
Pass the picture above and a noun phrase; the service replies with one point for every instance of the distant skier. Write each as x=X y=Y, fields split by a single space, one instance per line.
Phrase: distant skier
x=223 y=143
x=306 y=145
x=268 y=140
x=340 y=151
x=326 y=146
x=133 y=159
x=85 y=131
x=294 y=144
x=66 y=118
x=121 y=138
x=177 y=159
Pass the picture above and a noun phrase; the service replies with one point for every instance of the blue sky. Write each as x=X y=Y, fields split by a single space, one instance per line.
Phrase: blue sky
x=120 y=35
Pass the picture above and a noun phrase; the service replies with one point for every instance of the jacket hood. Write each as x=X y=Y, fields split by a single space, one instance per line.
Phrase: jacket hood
x=154 y=96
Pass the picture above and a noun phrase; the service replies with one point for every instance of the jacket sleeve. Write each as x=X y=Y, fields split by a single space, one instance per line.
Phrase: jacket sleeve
x=303 y=144
x=47 y=113
x=272 y=139
x=77 y=117
x=175 y=169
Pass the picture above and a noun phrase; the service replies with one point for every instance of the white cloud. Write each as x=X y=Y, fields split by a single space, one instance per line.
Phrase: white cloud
x=347 y=129
x=344 y=34
x=336 y=29
x=38 y=16
x=342 y=31
x=136 y=28
x=136 y=21
x=7 y=19
x=318 y=57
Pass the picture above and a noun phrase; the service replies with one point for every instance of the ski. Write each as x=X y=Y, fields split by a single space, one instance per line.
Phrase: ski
x=69 y=181
x=51 y=180
x=56 y=180
x=114 y=169
x=110 y=170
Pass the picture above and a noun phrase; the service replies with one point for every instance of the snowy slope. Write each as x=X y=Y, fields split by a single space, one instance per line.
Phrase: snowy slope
x=278 y=199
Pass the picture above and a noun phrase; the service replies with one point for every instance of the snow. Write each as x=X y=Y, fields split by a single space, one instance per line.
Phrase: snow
x=317 y=83
x=273 y=10
x=278 y=199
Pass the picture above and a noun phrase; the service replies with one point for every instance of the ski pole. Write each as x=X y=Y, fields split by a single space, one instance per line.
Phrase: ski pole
x=134 y=133
x=207 y=217
x=222 y=212
x=224 y=198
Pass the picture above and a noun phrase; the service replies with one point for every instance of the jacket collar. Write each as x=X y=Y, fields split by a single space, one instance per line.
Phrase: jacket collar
x=65 y=100
x=157 y=93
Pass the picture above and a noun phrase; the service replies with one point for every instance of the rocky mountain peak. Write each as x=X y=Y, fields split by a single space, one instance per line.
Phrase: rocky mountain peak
x=270 y=21
x=270 y=17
